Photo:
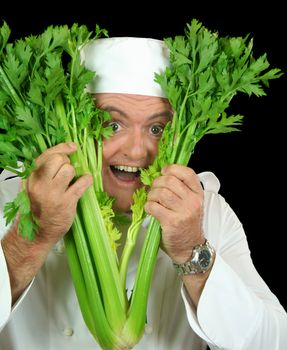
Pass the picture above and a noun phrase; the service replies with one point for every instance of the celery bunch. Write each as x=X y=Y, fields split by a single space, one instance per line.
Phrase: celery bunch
x=206 y=71
x=43 y=102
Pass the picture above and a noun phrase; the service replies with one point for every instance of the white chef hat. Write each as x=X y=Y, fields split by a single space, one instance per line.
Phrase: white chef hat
x=126 y=65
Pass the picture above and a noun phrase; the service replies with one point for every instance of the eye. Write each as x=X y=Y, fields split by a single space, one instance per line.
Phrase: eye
x=115 y=126
x=156 y=130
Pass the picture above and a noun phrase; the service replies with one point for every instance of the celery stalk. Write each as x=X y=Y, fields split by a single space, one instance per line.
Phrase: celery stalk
x=85 y=281
x=134 y=326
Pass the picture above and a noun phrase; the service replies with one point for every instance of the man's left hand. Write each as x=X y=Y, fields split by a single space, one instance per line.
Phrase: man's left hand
x=176 y=201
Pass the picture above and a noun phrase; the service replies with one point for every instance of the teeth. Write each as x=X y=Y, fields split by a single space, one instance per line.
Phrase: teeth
x=130 y=169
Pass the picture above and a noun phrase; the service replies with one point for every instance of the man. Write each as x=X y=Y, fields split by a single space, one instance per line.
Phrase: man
x=224 y=303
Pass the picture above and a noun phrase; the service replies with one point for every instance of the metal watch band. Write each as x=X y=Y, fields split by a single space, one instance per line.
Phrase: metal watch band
x=193 y=266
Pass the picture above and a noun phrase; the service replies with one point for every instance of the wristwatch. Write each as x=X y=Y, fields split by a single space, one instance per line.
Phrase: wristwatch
x=201 y=260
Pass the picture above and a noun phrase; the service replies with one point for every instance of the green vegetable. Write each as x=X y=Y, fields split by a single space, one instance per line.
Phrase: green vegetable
x=206 y=72
x=43 y=102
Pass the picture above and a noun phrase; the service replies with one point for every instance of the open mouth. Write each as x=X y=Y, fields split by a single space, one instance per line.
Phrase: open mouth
x=126 y=173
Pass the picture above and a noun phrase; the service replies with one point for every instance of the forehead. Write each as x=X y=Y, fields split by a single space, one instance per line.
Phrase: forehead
x=128 y=104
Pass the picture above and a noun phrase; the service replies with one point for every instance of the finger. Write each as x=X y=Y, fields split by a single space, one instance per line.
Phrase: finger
x=157 y=210
x=65 y=148
x=185 y=174
x=50 y=166
x=77 y=189
x=173 y=184
x=164 y=197
x=64 y=176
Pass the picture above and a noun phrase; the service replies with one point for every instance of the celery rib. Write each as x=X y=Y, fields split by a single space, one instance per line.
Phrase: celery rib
x=134 y=326
x=93 y=302
x=113 y=296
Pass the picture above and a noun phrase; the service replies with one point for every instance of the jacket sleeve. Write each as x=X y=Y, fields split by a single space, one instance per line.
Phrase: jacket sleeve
x=237 y=310
x=9 y=186
x=5 y=292
x=6 y=310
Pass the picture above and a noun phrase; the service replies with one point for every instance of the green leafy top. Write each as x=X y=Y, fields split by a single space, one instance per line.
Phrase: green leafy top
x=43 y=102
x=34 y=77
x=206 y=71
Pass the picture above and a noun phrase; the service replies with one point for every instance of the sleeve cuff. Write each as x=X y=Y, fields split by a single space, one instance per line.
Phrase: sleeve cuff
x=22 y=296
x=227 y=311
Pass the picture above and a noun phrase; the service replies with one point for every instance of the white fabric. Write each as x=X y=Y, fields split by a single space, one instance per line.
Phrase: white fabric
x=126 y=65
x=236 y=310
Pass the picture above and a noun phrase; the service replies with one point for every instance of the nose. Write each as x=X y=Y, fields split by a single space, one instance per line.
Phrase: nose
x=136 y=147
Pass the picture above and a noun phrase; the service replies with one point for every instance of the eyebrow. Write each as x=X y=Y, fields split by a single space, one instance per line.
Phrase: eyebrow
x=167 y=114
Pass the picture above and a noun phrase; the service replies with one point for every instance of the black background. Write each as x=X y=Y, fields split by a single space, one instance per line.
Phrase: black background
x=250 y=164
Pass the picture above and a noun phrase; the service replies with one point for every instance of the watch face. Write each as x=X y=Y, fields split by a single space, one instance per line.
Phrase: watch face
x=204 y=258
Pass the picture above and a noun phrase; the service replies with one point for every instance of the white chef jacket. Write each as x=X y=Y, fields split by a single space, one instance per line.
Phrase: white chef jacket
x=236 y=310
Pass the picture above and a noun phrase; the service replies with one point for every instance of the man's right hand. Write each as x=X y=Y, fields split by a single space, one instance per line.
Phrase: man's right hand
x=54 y=199
x=52 y=194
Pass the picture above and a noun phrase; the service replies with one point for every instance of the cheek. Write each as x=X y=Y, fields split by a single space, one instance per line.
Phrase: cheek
x=152 y=150
x=150 y=144
x=112 y=150
x=154 y=147
x=110 y=147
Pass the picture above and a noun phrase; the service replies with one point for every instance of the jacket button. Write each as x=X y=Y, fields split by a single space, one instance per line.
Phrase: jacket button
x=59 y=248
x=68 y=331
x=148 y=329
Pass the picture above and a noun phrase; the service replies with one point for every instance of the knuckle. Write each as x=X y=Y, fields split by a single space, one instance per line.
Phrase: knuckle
x=78 y=192
x=169 y=196
x=150 y=207
x=168 y=168
x=147 y=207
x=68 y=170
x=34 y=188
x=156 y=181
x=198 y=204
x=150 y=195
x=189 y=171
x=58 y=158
x=81 y=185
x=169 y=181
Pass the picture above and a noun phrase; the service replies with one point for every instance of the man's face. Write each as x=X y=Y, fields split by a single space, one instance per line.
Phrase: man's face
x=138 y=122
